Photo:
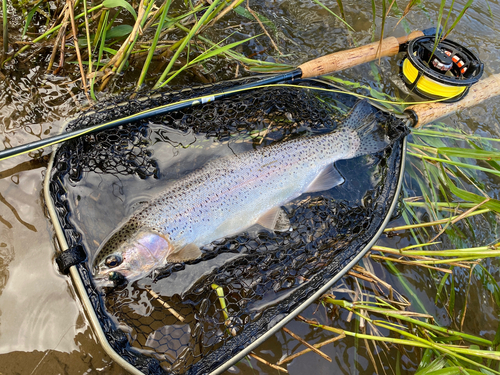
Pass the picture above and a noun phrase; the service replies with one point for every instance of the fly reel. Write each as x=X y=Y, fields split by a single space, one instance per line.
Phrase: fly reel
x=445 y=71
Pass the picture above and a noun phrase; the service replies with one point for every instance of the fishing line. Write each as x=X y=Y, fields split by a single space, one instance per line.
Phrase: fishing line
x=317 y=67
x=179 y=105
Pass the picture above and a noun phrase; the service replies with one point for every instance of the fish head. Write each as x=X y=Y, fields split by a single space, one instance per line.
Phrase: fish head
x=129 y=256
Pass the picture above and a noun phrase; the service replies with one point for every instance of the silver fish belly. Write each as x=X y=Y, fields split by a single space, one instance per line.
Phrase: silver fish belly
x=230 y=194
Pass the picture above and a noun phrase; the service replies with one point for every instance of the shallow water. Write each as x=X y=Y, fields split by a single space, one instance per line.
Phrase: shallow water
x=42 y=326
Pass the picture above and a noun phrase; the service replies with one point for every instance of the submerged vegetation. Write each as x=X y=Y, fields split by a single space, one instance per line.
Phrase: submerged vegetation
x=100 y=42
x=447 y=195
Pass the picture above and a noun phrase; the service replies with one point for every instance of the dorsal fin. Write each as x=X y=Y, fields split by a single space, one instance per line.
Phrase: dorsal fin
x=362 y=112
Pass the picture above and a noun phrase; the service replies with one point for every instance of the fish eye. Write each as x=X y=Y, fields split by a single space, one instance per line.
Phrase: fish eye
x=115 y=276
x=113 y=261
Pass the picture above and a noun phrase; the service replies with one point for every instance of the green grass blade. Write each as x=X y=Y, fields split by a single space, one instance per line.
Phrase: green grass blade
x=187 y=39
x=450 y=10
x=492 y=163
x=455 y=370
x=425 y=361
x=208 y=54
x=450 y=135
x=459 y=17
x=29 y=16
x=151 y=52
x=250 y=64
x=451 y=302
x=48 y=33
x=382 y=28
x=459 y=164
x=130 y=47
x=374 y=20
x=334 y=14
x=492 y=204
x=442 y=284
x=120 y=3
x=435 y=365
x=341 y=9
x=469 y=153
x=489 y=8
x=110 y=50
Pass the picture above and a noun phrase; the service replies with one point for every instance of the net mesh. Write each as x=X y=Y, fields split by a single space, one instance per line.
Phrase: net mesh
x=192 y=317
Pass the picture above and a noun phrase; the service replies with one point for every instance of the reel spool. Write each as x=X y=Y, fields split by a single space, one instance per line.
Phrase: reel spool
x=448 y=73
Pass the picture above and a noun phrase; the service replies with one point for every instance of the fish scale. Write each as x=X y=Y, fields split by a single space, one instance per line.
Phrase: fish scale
x=227 y=184
x=232 y=193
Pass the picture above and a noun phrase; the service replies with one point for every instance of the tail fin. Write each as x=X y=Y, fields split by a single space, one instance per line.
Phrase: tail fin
x=372 y=135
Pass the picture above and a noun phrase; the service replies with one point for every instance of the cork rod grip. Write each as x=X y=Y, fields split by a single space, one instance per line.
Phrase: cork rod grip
x=352 y=57
x=427 y=113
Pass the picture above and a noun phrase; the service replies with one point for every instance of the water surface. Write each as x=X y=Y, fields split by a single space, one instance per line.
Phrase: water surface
x=42 y=325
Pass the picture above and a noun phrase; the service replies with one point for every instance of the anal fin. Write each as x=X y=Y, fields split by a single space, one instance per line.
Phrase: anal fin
x=327 y=179
x=275 y=219
x=188 y=252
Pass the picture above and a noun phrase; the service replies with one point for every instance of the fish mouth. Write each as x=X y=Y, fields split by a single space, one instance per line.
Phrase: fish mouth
x=110 y=279
x=103 y=282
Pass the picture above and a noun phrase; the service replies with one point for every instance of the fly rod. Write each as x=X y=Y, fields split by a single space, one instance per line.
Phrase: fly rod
x=334 y=62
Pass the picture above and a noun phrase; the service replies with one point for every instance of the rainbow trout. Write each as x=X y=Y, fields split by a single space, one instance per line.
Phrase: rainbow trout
x=230 y=194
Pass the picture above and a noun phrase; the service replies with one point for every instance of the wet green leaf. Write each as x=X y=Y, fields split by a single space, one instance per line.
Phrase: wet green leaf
x=120 y=3
x=442 y=283
x=242 y=11
x=29 y=16
x=426 y=359
x=119 y=31
x=451 y=303
x=435 y=365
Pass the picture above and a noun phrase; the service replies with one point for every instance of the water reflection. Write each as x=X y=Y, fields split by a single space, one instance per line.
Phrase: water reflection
x=42 y=328
x=6 y=256
x=16 y=215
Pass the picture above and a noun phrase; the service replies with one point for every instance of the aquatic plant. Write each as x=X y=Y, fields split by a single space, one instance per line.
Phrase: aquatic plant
x=117 y=36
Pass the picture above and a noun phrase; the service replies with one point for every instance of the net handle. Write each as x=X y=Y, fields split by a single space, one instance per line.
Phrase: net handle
x=426 y=113
x=349 y=58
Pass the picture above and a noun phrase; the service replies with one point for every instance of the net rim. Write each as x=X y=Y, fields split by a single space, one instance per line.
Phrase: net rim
x=78 y=284
x=76 y=279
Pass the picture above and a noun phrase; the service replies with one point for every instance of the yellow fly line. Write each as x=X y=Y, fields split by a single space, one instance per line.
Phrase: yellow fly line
x=427 y=85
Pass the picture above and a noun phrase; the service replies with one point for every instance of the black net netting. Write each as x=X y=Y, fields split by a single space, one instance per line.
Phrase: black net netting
x=192 y=317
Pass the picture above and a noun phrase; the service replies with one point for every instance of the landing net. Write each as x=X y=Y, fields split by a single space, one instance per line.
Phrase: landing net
x=203 y=315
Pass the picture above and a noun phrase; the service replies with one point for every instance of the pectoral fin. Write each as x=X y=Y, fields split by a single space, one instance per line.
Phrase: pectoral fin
x=188 y=252
x=327 y=179
x=275 y=219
